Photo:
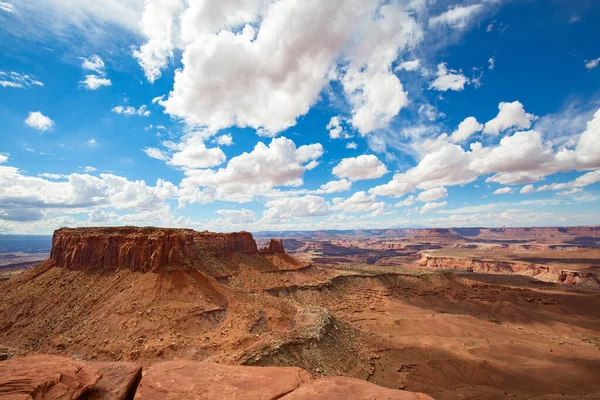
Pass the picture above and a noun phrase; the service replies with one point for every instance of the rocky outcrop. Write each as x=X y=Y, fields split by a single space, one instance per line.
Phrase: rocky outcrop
x=59 y=378
x=275 y=246
x=142 y=249
x=46 y=377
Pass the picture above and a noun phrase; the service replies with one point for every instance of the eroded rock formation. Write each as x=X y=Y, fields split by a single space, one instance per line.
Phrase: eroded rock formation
x=142 y=249
x=60 y=378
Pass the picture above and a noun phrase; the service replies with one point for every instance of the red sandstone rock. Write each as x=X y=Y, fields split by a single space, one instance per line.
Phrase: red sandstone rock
x=275 y=246
x=201 y=380
x=141 y=249
x=334 y=388
x=45 y=377
x=119 y=381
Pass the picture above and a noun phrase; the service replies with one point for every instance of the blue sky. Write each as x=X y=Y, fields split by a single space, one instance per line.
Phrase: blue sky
x=277 y=115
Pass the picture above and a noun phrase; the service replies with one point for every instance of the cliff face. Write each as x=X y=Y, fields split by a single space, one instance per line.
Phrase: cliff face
x=275 y=246
x=141 y=249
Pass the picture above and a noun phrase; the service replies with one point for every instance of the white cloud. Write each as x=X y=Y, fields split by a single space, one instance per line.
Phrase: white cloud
x=157 y=26
x=360 y=168
x=89 y=169
x=39 y=121
x=224 y=140
x=335 y=186
x=466 y=129
x=251 y=174
x=509 y=115
x=457 y=17
x=448 y=79
x=359 y=202
x=412 y=65
x=432 y=194
x=527 y=189
x=296 y=207
x=504 y=190
x=430 y=112
x=18 y=81
x=409 y=201
x=335 y=128
x=93 y=82
x=193 y=153
x=584 y=180
x=591 y=64
x=375 y=93
x=156 y=153
x=93 y=63
x=4 y=6
x=351 y=145
x=569 y=192
x=129 y=110
x=258 y=78
x=3 y=158
x=92 y=142
x=238 y=216
x=492 y=63
x=433 y=206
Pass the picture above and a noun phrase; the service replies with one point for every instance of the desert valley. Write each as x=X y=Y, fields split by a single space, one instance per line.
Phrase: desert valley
x=447 y=313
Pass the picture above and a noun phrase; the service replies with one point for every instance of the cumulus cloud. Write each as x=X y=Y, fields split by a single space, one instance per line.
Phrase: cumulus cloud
x=359 y=202
x=591 y=64
x=457 y=17
x=37 y=196
x=258 y=78
x=129 y=110
x=504 y=190
x=224 y=140
x=527 y=189
x=39 y=121
x=466 y=129
x=491 y=63
x=411 y=65
x=335 y=186
x=93 y=82
x=3 y=158
x=360 y=168
x=429 y=207
x=521 y=158
x=448 y=79
x=509 y=115
x=432 y=194
x=351 y=145
x=18 y=81
x=280 y=163
x=335 y=128
x=93 y=63
x=408 y=201
x=296 y=207
x=157 y=25
x=190 y=153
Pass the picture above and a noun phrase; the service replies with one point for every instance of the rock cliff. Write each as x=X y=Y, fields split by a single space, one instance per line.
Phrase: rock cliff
x=142 y=249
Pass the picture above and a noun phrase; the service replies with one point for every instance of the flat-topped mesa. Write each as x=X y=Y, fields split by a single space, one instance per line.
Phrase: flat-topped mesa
x=141 y=249
x=275 y=246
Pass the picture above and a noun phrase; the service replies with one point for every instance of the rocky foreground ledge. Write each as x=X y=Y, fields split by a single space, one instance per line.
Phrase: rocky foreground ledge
x=47 y=377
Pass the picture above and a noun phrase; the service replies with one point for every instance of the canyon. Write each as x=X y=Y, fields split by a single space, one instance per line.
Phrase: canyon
x=449 y=313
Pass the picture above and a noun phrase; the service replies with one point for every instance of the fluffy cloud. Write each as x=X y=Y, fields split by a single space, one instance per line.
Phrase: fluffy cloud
x=157 y=26
x=129 y=110
x=16 y=80
x=224 y=140
x=335 y=128
x=527 y=189
x=466 y=129
x=504 y=190
x=429 y=207
x=521 y=158
x=351 y=145
x=251 y=174
x=456 y=17
x=39 y=121
x=335 y=186
x=409 y=201
x=359 y=202
x=412 y=65
x=93 y=63
x=296 y=207
x=375 y=93
x=492 y=63
x=27 y=197
x=7 y=7
x=591 y=64
x=258 y=79
x=3 y=158
x=432 y=194
x=448 y=79
x=93 y=82
x=360 y=168
x=509 y=115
